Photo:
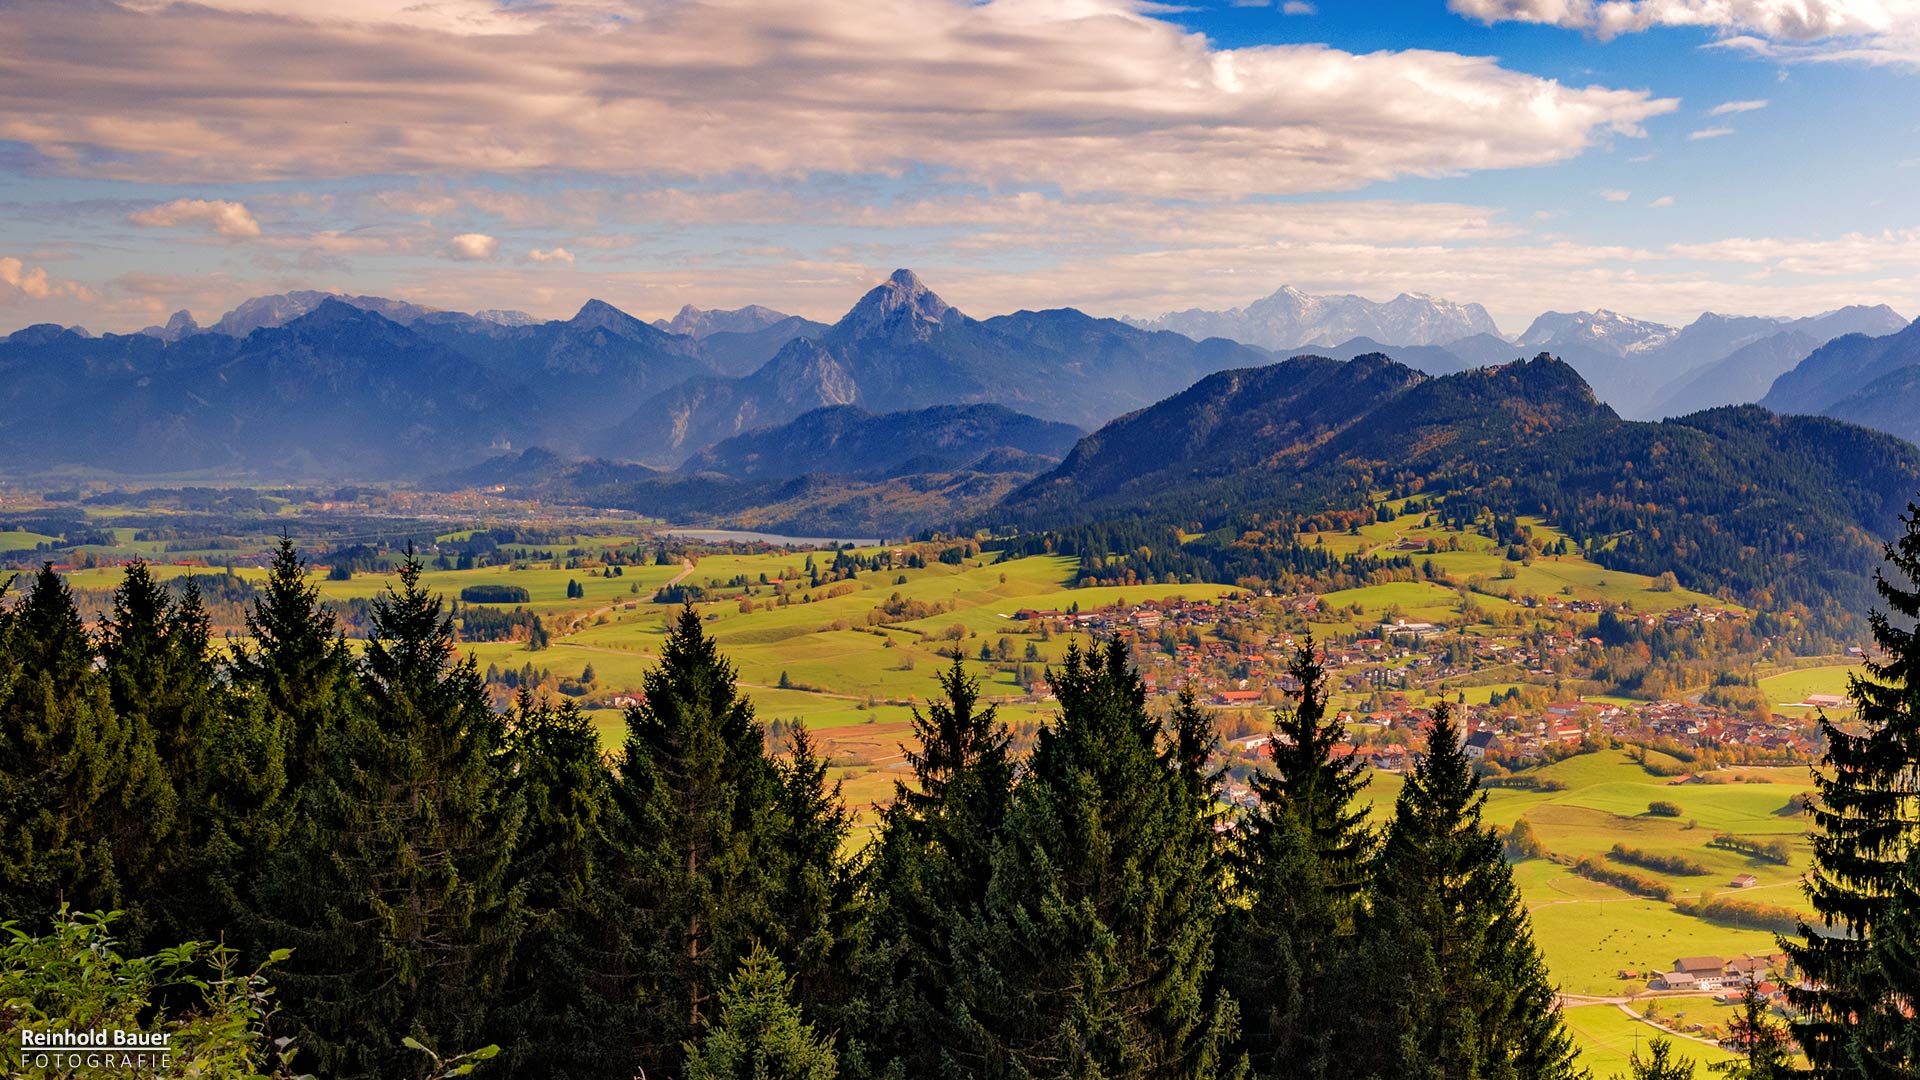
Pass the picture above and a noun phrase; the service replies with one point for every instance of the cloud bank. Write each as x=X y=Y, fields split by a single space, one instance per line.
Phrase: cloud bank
x=1092 y=95
x=224 y=218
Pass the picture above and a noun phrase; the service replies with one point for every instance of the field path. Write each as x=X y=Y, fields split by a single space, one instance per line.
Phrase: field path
x=1666 y=1030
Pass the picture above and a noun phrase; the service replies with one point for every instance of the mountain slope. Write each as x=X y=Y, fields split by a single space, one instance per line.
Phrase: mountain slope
x=850 y=441
x=1745 y=374
x=1841 y=368
x=1734 y=499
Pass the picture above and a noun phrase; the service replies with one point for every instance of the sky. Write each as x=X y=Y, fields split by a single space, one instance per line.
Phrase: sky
x=1654 y=157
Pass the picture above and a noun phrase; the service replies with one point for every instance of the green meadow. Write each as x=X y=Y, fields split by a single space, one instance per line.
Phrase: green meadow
x=1609 y=1037
x=1790 y=687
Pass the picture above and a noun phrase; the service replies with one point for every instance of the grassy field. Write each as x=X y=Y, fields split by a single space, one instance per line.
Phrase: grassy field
x=1481 y=562
x=1789 y=687
x=17 y=540
x=1608 y=1038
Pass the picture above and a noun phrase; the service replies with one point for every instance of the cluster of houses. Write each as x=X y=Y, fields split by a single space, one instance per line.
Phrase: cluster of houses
x=1211 y=646
x=1731 y=977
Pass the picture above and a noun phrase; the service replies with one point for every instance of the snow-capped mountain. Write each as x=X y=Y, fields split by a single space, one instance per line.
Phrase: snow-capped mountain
x=1600 y=330
x=1291 y=319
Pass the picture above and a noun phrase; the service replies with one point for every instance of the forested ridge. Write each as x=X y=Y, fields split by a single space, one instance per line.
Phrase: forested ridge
x=1769 y=510
x=450 y=878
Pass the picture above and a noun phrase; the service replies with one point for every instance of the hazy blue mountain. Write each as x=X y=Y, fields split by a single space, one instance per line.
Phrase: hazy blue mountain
x=902 y=347
x=282 y=308
x=847 y=440
x=338 y=392
x=1647 y=369
x=1890 y=403
x=1732 y=360
x=1291 y=320
x=1742 y=377
x=1484 y=350
x=1841 y=368
x=579 y=374
x=699 y=323
x=734 y=353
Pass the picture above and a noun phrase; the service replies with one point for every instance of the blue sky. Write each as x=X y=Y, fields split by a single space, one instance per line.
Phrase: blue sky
x=1657 y=157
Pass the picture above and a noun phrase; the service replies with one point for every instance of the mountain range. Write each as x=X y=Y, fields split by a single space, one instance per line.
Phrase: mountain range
x=1648 y=370
x=1644 y=369
x=310 y=385
x=902 y=347
x=1290 y=320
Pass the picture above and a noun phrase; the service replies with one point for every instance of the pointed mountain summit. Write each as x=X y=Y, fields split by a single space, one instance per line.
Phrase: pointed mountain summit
x=901 y=309
x=179 y=326
x=599 y=315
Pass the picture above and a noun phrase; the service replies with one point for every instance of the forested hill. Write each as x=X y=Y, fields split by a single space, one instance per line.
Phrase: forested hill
x=1736 y=499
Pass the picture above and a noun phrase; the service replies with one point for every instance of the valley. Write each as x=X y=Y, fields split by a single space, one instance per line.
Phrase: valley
x=1545 y=652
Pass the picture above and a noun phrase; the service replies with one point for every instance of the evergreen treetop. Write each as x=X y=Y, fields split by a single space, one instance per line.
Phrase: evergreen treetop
x=1863 y=834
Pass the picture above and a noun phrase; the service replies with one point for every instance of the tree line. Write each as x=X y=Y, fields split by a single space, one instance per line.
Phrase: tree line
x=691 y=905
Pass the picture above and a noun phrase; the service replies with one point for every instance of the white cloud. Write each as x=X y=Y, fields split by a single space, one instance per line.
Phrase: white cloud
x=224 y=217
x=1731 y=107
x=17 y=279
x=1298 y=7
x=1855 y=31
x=1791 y=20
x=1710 y=133
x=1616 y=195
x=1662 y=201
x=557 y=255
x=472 y=246
x=1093 y=95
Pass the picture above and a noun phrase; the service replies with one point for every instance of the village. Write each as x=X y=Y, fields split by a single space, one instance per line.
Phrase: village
x=1509 y=686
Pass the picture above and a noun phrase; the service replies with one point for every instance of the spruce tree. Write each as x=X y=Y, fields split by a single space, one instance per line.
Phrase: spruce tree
x=759 y=1032
x=563 y=981
x=85 y=806
x=1092 y=952
x=1464 y=993
x=813 y=897
x=161 y=676
x=1863 y=834
x=393 y=890
x=1661 y=1063
x=697 y=795
x=930 y=869
x=298 y=666
x=1300 y=865
x=1765 y=1050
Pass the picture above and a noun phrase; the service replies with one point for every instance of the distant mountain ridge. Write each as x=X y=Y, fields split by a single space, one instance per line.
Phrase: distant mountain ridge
x=698 y=323
x=901 y=347
x=1292 y=320
x=1647 y=369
